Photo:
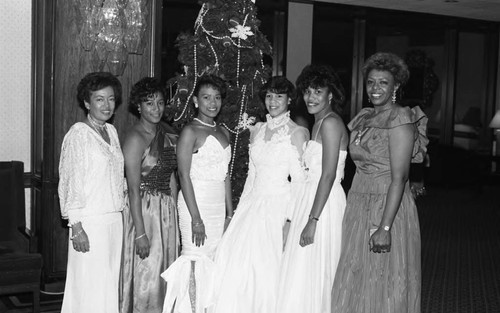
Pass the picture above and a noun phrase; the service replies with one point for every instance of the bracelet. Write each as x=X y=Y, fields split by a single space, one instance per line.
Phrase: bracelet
x=197 y=224
x=72 y=223
x=76 y=235
x=313 y=218
x=139 y=237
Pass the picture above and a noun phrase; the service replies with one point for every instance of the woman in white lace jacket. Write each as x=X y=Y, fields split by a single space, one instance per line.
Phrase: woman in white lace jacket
x=91 y=198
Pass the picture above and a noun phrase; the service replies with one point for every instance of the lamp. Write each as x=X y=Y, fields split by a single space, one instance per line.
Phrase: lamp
x=110 y=30
x=495 y=124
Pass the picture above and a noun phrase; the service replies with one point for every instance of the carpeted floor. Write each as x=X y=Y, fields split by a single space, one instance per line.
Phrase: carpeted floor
x=22 y=303
x=460 y=231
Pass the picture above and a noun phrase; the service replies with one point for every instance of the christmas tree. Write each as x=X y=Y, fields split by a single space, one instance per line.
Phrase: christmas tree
x=226 y=42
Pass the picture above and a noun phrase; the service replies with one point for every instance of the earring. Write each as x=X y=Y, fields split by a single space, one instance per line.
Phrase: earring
x=394 y=96
x=139 y=109
x=196 y=105
x=369 y=100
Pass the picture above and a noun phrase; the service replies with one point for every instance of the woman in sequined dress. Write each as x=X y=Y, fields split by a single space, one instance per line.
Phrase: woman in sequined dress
x=150 y=218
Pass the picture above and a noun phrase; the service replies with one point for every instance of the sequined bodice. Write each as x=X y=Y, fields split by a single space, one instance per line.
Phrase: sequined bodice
x=158 y=179
x=211 y=161
x=158 y=163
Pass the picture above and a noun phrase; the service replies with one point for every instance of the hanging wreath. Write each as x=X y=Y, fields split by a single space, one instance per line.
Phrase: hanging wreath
x=417 y=60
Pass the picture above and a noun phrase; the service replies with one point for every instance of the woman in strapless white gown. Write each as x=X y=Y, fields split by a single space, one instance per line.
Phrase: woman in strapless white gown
x=313 y=244
x=248 y=258
x=203 y=155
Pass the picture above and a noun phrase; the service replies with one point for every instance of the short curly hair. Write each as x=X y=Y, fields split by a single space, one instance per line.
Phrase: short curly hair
x=389 y=62
x=279 y=85
x=141 y=91
x=213 y=81
x=320 y=76
x=96 y=81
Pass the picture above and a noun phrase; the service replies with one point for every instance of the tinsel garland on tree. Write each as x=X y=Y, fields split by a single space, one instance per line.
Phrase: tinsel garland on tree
x=226 y=42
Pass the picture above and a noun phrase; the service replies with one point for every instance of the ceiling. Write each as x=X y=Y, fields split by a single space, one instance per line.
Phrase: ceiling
x=488 y=10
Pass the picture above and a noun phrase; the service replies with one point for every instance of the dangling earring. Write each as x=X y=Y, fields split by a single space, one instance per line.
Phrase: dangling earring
x=394 y=96
x=139 y=109
x=195 y=105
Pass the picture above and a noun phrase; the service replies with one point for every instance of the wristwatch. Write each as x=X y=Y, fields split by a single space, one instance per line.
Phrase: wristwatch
x=386 y=228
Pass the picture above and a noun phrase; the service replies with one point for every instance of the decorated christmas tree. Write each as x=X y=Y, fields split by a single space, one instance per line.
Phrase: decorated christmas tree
x=226 y=42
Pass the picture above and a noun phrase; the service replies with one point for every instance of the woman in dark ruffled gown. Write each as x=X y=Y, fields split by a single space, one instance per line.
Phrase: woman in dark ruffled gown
x=150 y=218
x=379 y=267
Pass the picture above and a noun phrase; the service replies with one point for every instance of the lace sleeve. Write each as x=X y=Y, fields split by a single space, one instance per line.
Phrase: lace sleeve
x=72 y=175
x=249 y=181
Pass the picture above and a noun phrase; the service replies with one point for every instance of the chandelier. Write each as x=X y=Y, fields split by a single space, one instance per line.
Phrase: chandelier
x=110 y=30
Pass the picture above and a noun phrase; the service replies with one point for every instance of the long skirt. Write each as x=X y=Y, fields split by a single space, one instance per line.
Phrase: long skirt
x=142 y=288
x=92 y=277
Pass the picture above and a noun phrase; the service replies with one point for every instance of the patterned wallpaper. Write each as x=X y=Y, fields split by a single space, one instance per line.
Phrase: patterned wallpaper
x=15 y=84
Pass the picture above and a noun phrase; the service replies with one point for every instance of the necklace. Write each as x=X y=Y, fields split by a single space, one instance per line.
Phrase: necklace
x=360 y=133
x=100 y=129
x=96 y=125
x=206 y=124
x=275 y=122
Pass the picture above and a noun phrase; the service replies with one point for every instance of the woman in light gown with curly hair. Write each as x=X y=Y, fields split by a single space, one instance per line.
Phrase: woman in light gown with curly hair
x=313 y=244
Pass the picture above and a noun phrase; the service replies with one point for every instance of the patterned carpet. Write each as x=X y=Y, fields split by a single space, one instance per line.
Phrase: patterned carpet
x=460 y=231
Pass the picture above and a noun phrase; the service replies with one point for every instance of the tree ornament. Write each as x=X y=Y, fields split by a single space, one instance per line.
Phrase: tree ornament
x=233 y=21
x=182 y=85
x=223 y=43
x=240 y=31
x=226 y=42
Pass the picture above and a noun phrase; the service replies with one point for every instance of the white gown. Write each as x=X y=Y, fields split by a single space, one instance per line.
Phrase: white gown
x=307 y=273
x=248 y=258
x=208 y=172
